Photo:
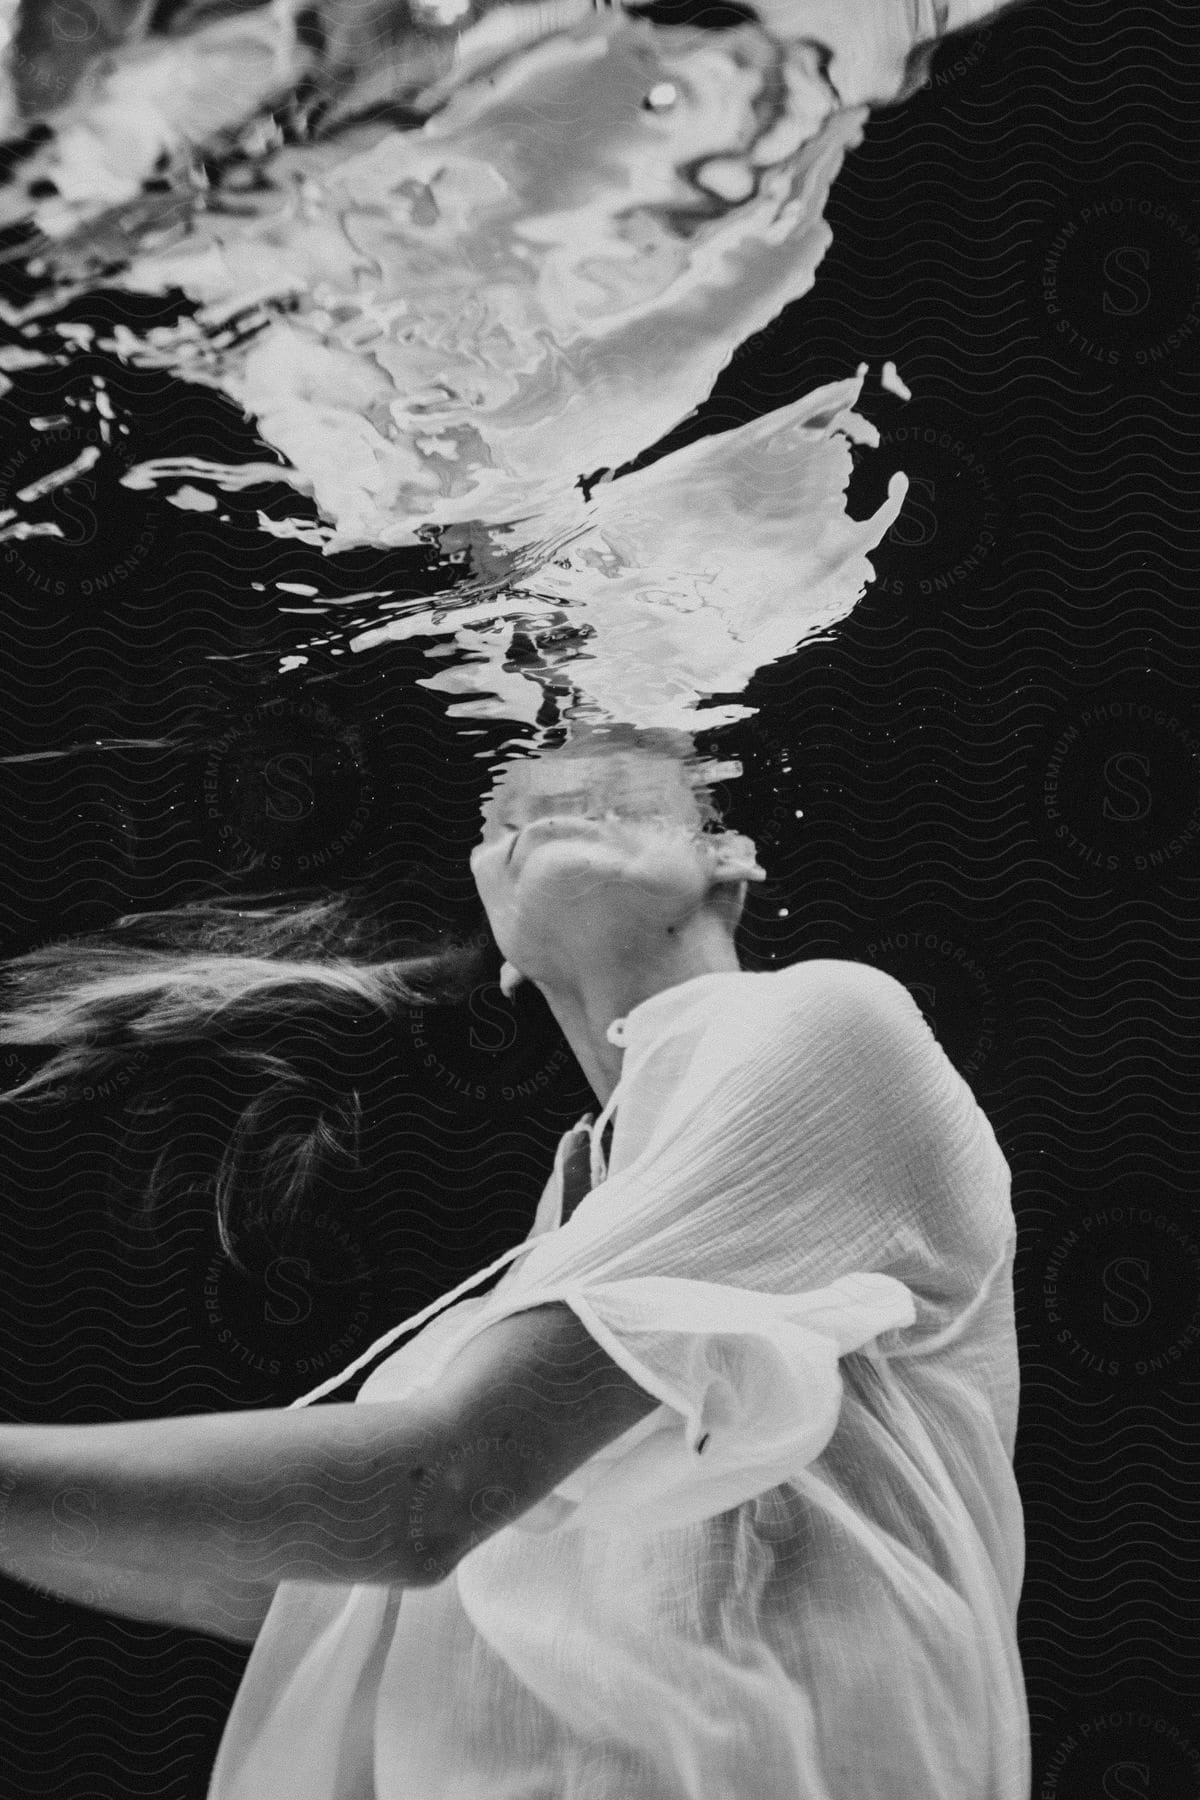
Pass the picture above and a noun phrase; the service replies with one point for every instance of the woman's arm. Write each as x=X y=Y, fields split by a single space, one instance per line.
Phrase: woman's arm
x=233 y=1613
x=394 y=1493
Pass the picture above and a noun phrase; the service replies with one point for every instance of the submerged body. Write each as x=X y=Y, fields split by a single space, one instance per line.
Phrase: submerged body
x=798 y=1575
x=712 y=1497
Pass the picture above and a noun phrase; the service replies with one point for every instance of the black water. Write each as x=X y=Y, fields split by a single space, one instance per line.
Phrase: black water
x=997 y=760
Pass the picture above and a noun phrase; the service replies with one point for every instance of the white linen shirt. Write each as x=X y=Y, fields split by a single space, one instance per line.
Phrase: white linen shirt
x=795 y=1579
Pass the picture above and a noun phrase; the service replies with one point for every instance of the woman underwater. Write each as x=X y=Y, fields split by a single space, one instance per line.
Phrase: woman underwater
x=712 y=1494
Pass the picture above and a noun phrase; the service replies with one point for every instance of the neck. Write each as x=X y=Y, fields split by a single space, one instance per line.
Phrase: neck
x=586 y=1003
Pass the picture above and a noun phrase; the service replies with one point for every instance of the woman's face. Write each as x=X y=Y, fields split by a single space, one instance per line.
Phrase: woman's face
x=586 y=856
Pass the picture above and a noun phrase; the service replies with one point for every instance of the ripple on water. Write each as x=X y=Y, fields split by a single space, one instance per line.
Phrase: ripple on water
x=456 y=321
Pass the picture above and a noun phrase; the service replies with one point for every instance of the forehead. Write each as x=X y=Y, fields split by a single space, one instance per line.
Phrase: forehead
x=621 y=779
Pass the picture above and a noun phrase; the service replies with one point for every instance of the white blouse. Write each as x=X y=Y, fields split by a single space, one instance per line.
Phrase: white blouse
x=797 y=1578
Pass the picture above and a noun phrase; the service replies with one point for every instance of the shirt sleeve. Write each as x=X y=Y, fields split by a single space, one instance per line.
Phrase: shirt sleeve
x=820 y=1182
x=753 y=1379
x=815 y=1129
x=749 y=1387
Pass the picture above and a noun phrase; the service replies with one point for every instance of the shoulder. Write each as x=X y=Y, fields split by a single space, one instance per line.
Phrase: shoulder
x=848 y=994
x=811 y=998
x=850 y=1022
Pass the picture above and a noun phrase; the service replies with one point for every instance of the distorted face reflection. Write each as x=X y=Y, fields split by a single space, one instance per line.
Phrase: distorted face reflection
x=584 y=855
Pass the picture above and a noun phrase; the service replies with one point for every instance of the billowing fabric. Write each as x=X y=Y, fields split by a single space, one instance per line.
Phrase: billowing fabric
x=796 y=1578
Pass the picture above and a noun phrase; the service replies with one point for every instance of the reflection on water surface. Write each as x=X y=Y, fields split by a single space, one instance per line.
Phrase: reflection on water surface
x=460 y=266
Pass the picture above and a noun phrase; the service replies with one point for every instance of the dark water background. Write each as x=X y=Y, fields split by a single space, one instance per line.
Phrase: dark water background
x=997 y=760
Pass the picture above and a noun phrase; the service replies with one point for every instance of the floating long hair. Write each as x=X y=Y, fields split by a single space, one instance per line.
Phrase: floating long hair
x=273 y=997
x=255 y=1017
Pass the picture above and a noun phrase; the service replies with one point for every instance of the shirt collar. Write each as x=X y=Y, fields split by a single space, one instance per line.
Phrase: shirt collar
x=671 y=1005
